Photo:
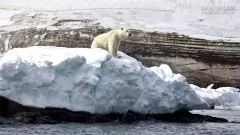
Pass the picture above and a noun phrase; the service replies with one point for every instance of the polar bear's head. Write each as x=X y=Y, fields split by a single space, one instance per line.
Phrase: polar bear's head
x=125 y=32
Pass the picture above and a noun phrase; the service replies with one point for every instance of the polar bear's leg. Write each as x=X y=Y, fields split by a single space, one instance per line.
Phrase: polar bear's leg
x=112 y=50
x=117 y=52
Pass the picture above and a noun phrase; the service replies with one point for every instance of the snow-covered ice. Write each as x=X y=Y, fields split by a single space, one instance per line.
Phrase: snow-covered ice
x=221 y=98
x=180 y=16
x=83 y=79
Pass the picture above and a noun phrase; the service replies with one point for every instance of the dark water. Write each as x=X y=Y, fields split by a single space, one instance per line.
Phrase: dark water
x=140 y=128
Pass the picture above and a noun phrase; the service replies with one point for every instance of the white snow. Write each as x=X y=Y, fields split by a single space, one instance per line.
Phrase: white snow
x=83 y=79
x=5 y=17
x=180 y=16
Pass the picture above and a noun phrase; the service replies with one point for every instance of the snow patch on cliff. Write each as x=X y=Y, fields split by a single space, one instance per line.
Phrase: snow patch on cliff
x=190 y=17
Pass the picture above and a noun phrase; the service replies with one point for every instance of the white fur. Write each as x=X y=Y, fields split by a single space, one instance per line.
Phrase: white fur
x=111 y=40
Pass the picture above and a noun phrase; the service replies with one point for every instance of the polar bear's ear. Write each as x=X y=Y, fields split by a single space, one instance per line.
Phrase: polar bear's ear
x=121 y=28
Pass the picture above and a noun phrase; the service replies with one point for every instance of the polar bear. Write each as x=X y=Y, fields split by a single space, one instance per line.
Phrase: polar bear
x=111 y=40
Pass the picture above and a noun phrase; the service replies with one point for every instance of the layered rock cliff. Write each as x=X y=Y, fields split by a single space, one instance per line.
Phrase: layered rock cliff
x=202 y=61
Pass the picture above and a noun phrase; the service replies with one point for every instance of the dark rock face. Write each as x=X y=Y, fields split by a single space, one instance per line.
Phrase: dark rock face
x=3 y=120
x=187 y=117
x=202 y=62
x=58 y=116
x=24 y=114
x=54 y=115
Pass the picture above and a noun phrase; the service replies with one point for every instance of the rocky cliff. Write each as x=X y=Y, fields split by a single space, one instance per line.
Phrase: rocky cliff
x=203 y=62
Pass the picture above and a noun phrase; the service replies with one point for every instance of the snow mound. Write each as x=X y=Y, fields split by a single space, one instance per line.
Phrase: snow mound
x=221 y=98
x=82 y=79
